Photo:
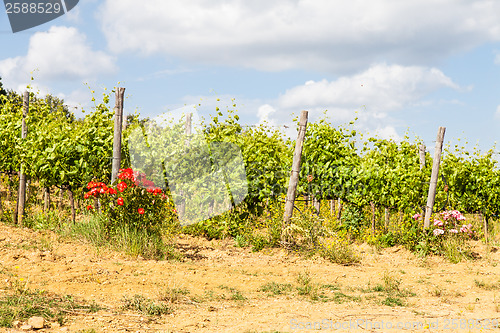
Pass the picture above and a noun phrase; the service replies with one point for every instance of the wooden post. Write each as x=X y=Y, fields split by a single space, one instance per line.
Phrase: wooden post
x=22 y=175
x=485 y=227
x=117 y=139
x=181 y=211
x=188 y=127
x=339 y=215
x=372 y=204
x=72 y=204
x=305 y=197
x=46 y=199
x=294 y=174
x=9 y=188
x=386 y=218
x=332 y=207
x=434 y=177
x=316 y=204
x=61 y=198
x=421 y=153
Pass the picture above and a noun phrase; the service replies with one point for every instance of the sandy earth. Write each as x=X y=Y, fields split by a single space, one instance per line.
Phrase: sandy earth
x=221 y=285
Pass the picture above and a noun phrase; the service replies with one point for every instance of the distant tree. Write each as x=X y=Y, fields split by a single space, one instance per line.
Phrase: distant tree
x=57 y=104
x=2 y=90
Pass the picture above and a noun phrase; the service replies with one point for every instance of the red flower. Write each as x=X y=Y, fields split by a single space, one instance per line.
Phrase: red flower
x=140 y=211
x=121 y=186
x=119 y=201
x=111 y=191
x=126 y=174
x=89 y=207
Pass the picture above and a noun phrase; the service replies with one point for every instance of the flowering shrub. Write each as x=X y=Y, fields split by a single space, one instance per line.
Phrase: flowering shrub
x=136 y=203
x=446 y=236
x=451 y=222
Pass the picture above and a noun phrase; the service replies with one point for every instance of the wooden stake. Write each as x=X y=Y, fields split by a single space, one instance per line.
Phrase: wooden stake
x=181 y=211
x=9 y=189
x=294 y=174
x=22 y=175
x=117 y=139
x=386 y=218
x=332 y=207
x=46 y=199
x=72 y=204
x=485 y=227
x=421 y=154
x=61 y=198
x=1 y=206
x=339 y=215
x=434 y=177
x=372 y=204
x=316 y=204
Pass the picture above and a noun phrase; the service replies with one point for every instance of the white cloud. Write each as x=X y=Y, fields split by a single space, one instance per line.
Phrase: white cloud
x=61 y=54
x=371 y=96
x=380 y=88
x=74 y=15
x=333 y=35
x=497 y=113
x=264 y=111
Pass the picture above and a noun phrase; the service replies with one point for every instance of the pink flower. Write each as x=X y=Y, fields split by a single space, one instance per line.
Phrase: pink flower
x=454 y=231
x=466 y=228
x=438 y=232
x=438 y=223
x=416 y=216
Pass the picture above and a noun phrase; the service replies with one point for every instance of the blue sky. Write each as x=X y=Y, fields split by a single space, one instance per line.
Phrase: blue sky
x=398 y=66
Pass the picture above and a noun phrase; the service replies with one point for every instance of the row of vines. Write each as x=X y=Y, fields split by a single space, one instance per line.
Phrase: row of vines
x=338 y=163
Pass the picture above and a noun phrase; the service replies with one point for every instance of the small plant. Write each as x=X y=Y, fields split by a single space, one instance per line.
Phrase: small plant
x=236 y=295
x=486 y=285
x=173 y=295
x=393 y=301
x=146 y=306
x=339 y=251
x=306 y=287
x=276 y=288
x=22 y=303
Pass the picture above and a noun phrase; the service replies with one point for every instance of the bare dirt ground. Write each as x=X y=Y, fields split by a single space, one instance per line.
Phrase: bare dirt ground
x=222 y=287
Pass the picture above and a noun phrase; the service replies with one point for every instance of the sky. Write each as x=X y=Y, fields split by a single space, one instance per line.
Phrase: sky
x=400 y=67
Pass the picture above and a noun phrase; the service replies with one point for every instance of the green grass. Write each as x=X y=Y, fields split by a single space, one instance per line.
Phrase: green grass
x=312 y=291
x=276 y=288
x=21 y=304
x=236 y=295
x=174 y=295
x=141 y=304
x=486 y=285
x=340 y=253
x=389 y=291
x=131 y=241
